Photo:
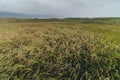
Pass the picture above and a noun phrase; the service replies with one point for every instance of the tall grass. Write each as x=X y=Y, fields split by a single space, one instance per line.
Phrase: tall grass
x=61 y=51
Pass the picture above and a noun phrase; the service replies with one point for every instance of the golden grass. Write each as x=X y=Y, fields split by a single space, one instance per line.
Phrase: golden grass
x=59 y=51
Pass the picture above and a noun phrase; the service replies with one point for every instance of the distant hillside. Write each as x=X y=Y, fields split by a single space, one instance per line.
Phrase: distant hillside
x=19 y=15
x=12 y=15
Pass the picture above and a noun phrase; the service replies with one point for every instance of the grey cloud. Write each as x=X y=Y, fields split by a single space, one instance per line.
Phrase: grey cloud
x=65 y=8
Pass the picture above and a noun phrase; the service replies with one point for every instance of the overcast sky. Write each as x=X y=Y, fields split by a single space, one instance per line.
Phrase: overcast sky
x=64 y=8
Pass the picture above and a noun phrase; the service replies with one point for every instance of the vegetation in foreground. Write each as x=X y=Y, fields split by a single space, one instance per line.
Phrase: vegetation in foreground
x=67 y=50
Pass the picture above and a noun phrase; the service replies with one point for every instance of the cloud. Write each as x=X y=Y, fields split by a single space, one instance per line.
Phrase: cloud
x=65 y=8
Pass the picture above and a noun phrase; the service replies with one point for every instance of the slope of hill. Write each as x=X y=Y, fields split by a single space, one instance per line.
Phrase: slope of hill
x=11 y=15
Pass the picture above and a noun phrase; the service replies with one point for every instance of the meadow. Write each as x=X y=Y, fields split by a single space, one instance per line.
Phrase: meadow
x=60 y=49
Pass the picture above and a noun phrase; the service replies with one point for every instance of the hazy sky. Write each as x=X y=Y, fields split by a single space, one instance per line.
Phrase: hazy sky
x=64 y=8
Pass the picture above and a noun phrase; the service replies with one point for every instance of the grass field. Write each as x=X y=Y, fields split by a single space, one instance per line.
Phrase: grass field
x=60 y=49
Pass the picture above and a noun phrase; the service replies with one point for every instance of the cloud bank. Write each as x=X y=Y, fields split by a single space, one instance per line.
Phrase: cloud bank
x=63 y=8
